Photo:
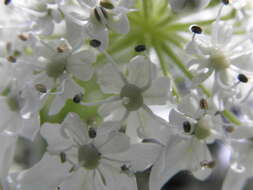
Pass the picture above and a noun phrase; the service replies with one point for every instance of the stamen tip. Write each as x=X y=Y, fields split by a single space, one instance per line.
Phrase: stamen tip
x=140 y=48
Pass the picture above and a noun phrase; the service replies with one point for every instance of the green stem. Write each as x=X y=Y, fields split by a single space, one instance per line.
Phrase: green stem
x=182 y=67
x=166 y=72
x=231 y=117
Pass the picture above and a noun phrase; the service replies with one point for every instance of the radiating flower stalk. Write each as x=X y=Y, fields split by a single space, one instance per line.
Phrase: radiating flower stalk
x=93 y=76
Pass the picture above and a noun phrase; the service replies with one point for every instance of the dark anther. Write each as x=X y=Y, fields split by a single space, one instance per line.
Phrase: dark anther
x=225 y=2
x=7 y=2
x=187 y=126
x=95 y=43
x=63 y=157
x=242 y=78
x=124 y=168
x=230 y=129
x=23 y=37
x=106 y=4
x=140 y=48
x=203 y=104
x=92 y=133
x=41 y=88
x=11 y=59
x=196 y=29
x=78 y=98
x=208 y=164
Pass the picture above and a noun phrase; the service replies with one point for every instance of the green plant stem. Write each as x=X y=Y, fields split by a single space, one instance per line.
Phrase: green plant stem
x=231 y=117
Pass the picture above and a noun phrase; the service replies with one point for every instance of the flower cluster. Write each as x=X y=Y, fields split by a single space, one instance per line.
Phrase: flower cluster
x=91 y=77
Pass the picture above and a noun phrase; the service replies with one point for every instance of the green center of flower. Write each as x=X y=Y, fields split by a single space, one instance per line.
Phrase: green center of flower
x=55 y=69
x=13 y=103
x=218 y=60
x=89 y=156
x=131 y=96
x=201 y=131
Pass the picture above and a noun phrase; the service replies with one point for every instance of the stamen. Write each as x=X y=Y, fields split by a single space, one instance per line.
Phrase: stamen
x=62 y=48
x=196 y=29
x=95 y=43
x=106 y=4
x=225 y=2
x=63 y=157
x=187 y=127
x=230 y=129
x=41 y=88
x=7 y=2
x=140 y=48
x=203 y=104
x=23 y=37
x=92 y=133
x=242 y=78
x=78 y=98
x=207 y=164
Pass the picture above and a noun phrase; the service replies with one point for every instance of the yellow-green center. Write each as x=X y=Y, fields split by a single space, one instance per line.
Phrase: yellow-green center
x=218 y=60
x=55 y=69
x=89 y=156
x=132 y=97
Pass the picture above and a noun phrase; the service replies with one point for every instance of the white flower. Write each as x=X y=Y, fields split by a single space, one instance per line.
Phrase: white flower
x=133 y=95
x=187 y=149
x=90 y=154
x=97 y=16
x=17 y=116
x=220 y=54
x=43 y=14
x=57 y=66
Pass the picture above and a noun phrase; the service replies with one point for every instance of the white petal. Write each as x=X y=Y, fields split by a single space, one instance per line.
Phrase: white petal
x=171 y=161
x=56 y=105
x=189 y=106
x=8 y=144
x=76 y=128
x=52 y=134
x=117 y=142
x=110 y=80
x=79 y=180
x=115 y=179
x=30 y=127
x=177 y=119
x=221 y=33
x=140 y=156
x=139 y=71
x=79 y=64
x=157 y=94
x=115 y=108
x=234 y=180
x=70 y=90
x=119 y=24
x=74 y=33
x=47 y=174
x=104 y=130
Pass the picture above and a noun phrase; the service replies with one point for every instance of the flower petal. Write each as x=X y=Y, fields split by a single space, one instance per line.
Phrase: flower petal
x=110 y=80
x=52 y=134
x=158 y=92
x=76 y=128
x=35 y=177
x=139 y=71
x=79 y=64
x=116 y=142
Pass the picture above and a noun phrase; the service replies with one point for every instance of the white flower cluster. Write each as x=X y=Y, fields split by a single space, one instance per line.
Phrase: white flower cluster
x=54 y=55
